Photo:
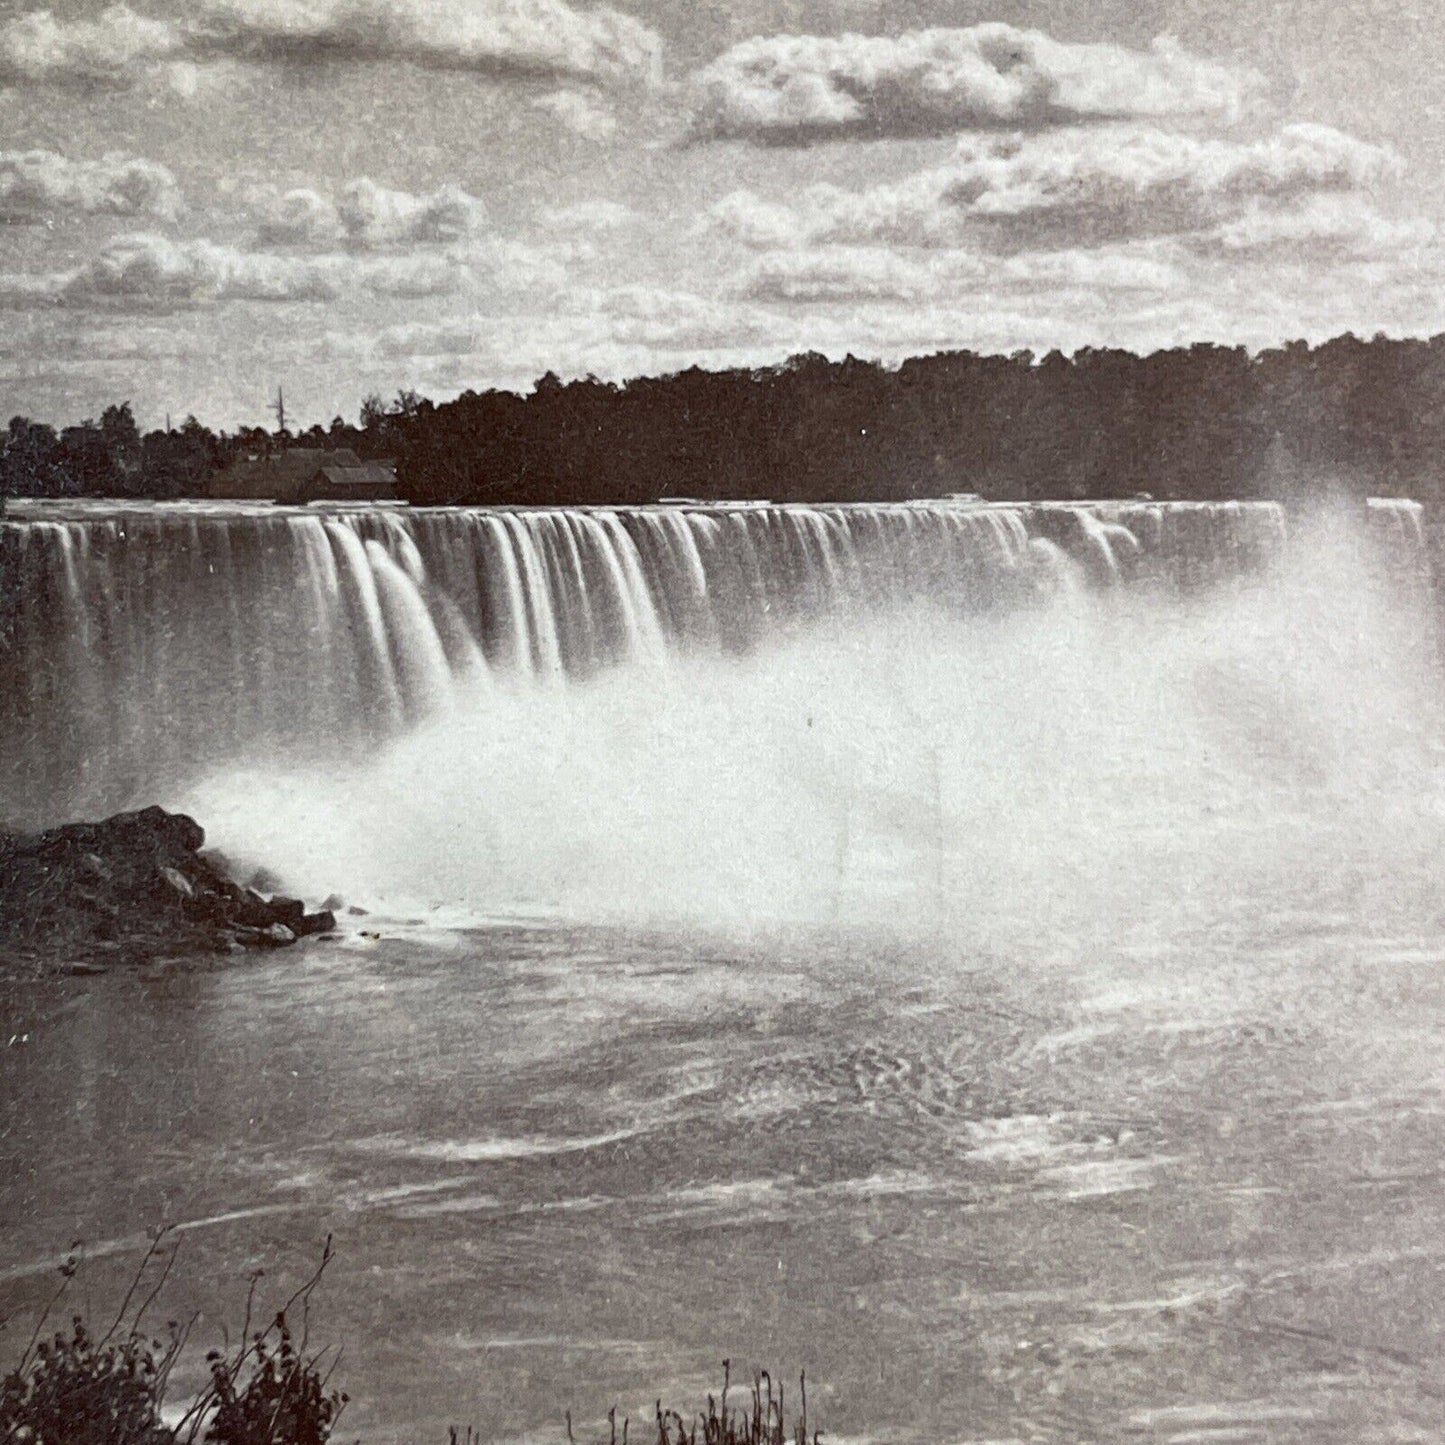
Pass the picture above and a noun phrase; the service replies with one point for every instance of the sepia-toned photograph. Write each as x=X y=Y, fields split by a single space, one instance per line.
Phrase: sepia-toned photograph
x=722 y=722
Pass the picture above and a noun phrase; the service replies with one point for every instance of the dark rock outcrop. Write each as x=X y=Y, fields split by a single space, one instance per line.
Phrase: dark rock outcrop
x=131 y=888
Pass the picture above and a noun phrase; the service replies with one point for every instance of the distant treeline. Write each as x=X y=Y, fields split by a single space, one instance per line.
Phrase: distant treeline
x=112 y=458
x=1196 y=422
x=1206 y=421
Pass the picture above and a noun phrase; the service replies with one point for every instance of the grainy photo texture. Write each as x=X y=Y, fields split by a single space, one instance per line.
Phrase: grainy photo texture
x=722 y=722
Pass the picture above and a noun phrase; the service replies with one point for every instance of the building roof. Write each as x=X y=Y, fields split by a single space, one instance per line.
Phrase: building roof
x=363 y=474
x=284 y=473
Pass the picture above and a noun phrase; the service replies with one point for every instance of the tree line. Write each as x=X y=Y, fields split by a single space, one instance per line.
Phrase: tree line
x=113 y=458
x=1198 y=422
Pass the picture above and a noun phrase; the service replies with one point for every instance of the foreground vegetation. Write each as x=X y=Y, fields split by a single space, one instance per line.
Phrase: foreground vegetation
x=1193 y=422
x=74 y=1387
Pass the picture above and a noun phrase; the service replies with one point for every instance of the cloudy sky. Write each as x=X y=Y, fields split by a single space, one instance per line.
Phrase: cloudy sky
x=203 y=199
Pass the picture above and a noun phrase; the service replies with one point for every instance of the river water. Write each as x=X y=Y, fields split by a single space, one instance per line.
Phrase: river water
x=1175 y=1195
x=1030 y=1023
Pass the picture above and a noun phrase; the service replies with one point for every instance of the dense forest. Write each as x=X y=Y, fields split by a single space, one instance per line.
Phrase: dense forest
x=1196 y=422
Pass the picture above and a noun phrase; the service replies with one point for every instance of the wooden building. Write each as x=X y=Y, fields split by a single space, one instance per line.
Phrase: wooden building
x=306 y=474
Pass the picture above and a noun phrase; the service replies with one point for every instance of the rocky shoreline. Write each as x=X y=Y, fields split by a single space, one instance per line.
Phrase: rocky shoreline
x=131 y=889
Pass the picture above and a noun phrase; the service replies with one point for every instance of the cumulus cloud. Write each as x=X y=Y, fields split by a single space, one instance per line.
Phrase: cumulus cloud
x=798 y=89
x=593 y=215
x=184 y=79
x=665 y=317
x=1152 y=181
x=1068 y=188
x=299 y=217
x=108 y=50
x=746 y=217
x=37 y=184
x=1069 y=217
x=365 y=216
x=595 y=329
x=838 y=274
x=373 y=215
x=516 y=39
x=536 y=40
x=1118 y=268
x=414 y=277
x=1326 y=227
x=149 y=272
x=448 y=338
x=157 y=271
x=854 y=274
x=582 y=114
x=22 y=292
x=530 y=269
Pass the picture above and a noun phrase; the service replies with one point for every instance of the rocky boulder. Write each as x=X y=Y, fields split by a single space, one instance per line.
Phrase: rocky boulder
x=133 y=887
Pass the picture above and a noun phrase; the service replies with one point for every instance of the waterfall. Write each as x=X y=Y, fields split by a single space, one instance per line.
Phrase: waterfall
x=145 y=643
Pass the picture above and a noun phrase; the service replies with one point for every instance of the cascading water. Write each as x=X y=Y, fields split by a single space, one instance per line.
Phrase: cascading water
x=145 y=645
x=653 y=709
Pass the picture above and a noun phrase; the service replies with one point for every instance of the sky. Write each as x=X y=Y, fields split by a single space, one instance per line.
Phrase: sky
x=204 y=200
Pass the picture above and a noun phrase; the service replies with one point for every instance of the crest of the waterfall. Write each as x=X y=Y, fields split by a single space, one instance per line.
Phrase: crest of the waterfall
x=896 y=711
